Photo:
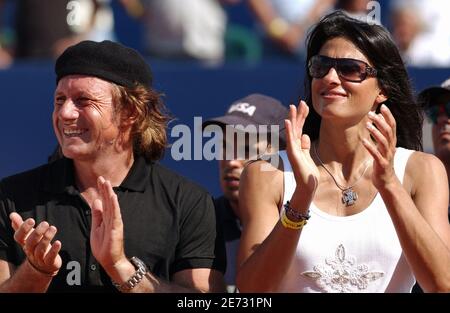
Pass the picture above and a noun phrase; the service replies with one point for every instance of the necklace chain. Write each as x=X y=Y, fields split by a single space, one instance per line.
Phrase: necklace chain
x=343 y=188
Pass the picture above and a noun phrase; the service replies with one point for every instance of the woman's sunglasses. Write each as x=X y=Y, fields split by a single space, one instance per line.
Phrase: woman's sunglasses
x=349 y=69
x=433 y=111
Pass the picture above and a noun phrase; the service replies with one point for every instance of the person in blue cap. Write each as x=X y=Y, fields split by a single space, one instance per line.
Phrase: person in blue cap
x=252 y=129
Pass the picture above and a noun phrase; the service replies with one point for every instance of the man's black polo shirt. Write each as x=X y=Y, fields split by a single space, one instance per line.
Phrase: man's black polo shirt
x=231 y=228
x=169 y=222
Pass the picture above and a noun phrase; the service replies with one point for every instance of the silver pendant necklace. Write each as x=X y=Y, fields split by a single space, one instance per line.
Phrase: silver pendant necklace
x=349 y=196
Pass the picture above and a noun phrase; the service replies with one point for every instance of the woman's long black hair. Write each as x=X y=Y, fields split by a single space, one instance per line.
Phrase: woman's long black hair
x=377 y=45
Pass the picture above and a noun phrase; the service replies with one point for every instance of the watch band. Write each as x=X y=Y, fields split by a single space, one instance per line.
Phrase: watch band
x=136 y=278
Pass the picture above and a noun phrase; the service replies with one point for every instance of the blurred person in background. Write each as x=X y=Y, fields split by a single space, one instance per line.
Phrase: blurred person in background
x=43 y=29
x=5 y=54
x=185 y=30
x=285 y=23
x=421 y=30
x=251 y=112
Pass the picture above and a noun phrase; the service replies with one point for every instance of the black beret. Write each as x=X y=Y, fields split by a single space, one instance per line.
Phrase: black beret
x=108 y=60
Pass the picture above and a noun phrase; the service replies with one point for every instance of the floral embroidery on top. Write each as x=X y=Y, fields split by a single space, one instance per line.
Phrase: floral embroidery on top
x=342 y=274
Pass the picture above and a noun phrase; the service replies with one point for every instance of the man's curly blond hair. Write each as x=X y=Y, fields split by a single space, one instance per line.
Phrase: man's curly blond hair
x=146 y=108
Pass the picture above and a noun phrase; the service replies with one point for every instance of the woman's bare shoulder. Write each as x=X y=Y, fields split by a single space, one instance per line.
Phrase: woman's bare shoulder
x=425 y=169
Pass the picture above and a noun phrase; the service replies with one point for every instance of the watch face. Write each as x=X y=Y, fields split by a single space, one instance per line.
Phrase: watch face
x=141 y=271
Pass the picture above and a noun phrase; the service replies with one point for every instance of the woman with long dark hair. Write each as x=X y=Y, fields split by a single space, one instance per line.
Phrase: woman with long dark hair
x=354 y=207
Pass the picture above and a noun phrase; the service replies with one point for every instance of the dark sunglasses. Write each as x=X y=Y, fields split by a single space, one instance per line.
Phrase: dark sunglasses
x=433 y=111
x=349 y=69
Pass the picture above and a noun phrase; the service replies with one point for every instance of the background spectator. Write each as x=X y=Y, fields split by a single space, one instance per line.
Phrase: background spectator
x=421 y=30
x=45 y=28
x=176 y=29
x=285 y=22
x=253 y=110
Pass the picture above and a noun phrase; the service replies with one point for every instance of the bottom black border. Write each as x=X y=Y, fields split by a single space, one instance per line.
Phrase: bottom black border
x=268 y=302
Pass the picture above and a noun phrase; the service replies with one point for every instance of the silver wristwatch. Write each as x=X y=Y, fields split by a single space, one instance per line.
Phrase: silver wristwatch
x=136 y=278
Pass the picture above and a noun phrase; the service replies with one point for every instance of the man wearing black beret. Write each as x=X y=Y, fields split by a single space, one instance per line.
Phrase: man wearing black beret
x=107 y=216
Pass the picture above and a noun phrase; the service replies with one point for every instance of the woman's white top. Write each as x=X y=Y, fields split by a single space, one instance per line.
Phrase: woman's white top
x=357 y=253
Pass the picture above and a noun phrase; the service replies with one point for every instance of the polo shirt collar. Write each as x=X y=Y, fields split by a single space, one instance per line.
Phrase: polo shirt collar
x=60 y=178
x=137 y=177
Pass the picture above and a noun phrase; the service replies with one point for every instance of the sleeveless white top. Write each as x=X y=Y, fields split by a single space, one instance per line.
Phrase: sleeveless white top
x=357 y=253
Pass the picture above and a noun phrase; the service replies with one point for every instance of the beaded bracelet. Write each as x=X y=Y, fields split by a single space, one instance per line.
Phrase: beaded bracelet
x=287 y=223
x=297 y=215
